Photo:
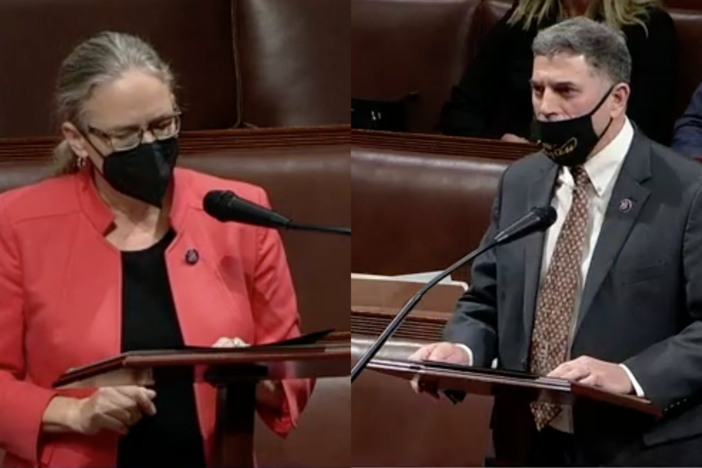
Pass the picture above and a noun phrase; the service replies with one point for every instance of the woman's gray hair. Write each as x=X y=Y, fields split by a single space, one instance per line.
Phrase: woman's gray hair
x=100 y=59
x=603 y=47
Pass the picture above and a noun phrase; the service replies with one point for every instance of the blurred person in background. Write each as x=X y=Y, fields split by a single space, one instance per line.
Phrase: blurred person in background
x=493 y=98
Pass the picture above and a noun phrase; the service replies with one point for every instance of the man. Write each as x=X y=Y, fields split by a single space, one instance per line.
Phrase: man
x=687 y=138
x=611 y=294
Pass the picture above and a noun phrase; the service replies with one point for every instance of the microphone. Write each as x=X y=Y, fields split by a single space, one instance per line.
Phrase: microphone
x=537 y=219
x=225 y=205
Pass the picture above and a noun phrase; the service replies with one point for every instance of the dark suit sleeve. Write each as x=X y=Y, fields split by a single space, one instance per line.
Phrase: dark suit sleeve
x=475 y=321
x=653 y=76
x=671 y=370
x=467 y=112
x=687 y=138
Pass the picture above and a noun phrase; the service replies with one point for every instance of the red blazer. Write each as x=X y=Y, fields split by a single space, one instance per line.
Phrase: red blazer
x=60 y=303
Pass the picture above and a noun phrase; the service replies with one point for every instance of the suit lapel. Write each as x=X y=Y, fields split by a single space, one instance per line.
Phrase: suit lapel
x=540 y=194
x=628 y=199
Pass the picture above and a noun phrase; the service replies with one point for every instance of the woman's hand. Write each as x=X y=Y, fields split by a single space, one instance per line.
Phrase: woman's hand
x=113 y=408
x=229 y=343
x=109 y=408
x=268 y=392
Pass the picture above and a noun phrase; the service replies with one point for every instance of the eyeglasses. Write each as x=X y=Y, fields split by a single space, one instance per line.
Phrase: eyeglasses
x=162 y=129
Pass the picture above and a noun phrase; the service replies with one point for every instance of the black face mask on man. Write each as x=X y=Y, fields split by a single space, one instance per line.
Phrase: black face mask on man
x=570 y=142
x=143 y=172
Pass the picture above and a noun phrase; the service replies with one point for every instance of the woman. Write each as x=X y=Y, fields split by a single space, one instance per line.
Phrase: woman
x=116 y=254
x=493 y=99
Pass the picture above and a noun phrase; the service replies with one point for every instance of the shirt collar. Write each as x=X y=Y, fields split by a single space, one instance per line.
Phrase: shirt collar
x=603 y=167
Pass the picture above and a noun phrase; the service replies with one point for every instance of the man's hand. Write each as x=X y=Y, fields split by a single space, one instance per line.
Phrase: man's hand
x=441 y=352
x=590 y=371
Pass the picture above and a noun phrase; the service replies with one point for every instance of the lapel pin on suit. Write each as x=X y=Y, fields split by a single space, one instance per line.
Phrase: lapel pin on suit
x=191 y=257
x=626 y=205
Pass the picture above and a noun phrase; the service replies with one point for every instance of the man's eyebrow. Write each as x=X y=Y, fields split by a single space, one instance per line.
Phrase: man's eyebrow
x=554 y=84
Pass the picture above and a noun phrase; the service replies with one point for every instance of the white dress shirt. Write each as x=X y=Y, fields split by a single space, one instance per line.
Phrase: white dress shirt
x=602 y=169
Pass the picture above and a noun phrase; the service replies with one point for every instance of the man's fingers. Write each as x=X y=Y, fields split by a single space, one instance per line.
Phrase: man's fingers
x=590 y=380
x=422 y=353
x=449 y=352
x=421 y=386
x=414 y=383
x=442 y=352
x=570 y=371
x=439 y=353
x=561 y=370
x=446 y=353
x=431 y=389
x=577 y=374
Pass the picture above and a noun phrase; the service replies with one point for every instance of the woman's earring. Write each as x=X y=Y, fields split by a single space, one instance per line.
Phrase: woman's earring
x=81 y=162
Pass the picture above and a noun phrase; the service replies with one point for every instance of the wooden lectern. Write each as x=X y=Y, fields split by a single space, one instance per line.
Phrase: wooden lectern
x=457 y=379
x=511 y=443
x=233 y=371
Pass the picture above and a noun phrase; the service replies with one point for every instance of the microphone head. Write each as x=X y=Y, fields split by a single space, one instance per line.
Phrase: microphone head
x=225 y=205
x=537 y=219
x=216 y=202
x=546 y=214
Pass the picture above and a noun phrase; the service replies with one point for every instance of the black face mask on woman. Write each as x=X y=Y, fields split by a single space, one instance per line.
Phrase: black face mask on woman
x=143 y=172
x=570 y=142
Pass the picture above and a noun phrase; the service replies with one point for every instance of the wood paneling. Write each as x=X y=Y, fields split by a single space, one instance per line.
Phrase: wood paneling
x=440 y=144
x=419 y=325
x=12 y=150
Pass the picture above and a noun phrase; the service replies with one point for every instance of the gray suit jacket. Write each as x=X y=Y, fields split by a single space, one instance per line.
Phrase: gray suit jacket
x=642 y=299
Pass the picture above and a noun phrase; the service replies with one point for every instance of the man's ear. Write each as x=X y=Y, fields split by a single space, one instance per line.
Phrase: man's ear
x=620 y=98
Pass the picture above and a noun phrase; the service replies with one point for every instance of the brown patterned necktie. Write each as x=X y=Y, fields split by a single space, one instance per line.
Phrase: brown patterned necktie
x=554 y=309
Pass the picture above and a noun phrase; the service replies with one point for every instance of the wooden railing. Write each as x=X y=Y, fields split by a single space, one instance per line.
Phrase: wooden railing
x=41 y=148
x=440 y=144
